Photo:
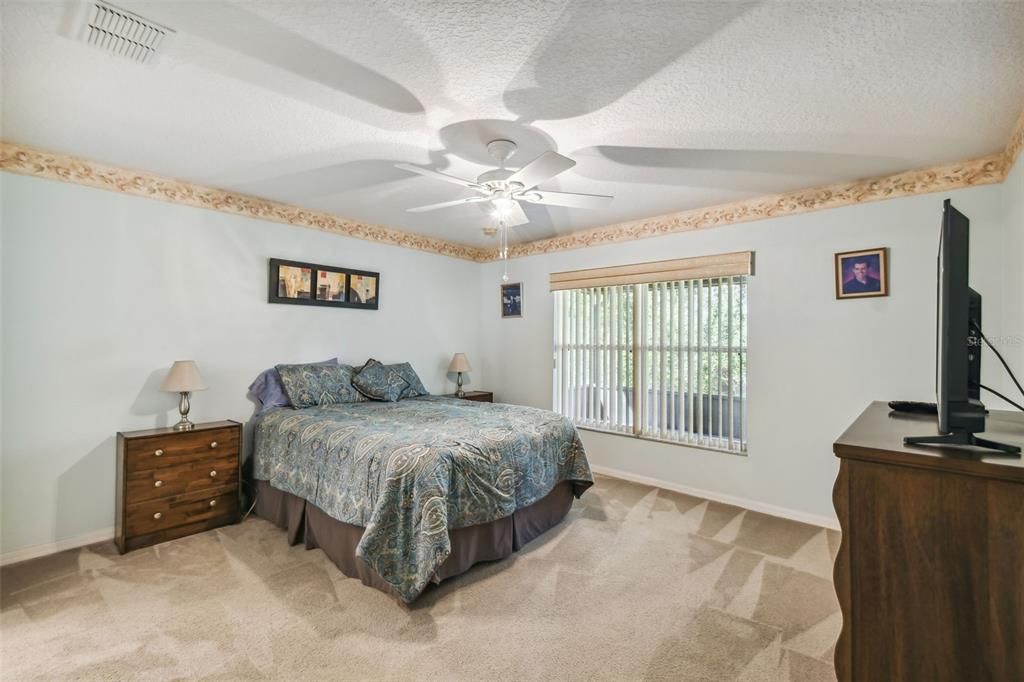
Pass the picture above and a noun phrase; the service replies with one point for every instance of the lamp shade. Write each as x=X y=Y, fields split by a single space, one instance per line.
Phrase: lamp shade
x=183 y=378
x=459 y=363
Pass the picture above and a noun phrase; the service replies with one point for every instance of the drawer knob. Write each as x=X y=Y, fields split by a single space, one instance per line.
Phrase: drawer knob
x=157 y=515
x=213 y=474
x=158 y=453
x=213 y=444
x=157 y=484
x=213 y=503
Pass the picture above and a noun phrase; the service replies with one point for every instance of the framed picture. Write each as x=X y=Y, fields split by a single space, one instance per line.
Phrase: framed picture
x=322 y=285
x=291 y=282
x=512 y=300
x=363 y=288
x=862 y=274
x=331 y=285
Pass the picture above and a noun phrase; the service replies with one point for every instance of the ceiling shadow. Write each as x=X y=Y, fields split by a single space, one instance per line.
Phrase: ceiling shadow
x=244 y=31
x=778 y=162
x=597 y=52
x=736 y=169
x=333 y=179
x=327 y=180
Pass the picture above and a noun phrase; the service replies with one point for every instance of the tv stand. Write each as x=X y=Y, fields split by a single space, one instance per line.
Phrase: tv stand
x=962 y=439
x=930 y=571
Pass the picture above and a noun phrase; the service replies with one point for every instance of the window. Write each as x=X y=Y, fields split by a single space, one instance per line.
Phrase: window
x=664 y=360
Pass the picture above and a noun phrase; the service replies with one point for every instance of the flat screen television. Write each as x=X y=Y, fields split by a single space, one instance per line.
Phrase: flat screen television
x=958 y=349
x=958 y=343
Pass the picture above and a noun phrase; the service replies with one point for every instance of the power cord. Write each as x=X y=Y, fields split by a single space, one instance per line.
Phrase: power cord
x=255 y=495
x=253 y=506
x=1005 y=366
x=1000 y=395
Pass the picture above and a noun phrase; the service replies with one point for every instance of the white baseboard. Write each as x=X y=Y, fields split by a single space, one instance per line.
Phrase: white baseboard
x=770 y=509
x=26 y=553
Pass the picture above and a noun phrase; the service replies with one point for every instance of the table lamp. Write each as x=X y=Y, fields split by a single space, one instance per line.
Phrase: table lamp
x=183 y=378
x=460 y=364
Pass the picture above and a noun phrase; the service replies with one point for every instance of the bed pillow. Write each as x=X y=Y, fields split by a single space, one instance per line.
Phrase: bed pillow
x=355 y=396
x=379 y=382
x=415 y=387
x=309 y=385
x=268 y=389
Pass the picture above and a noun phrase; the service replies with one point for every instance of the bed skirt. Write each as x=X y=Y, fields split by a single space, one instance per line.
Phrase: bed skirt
x=305 y=522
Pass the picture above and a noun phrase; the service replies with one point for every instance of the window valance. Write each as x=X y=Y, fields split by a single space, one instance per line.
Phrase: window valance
x=698 y=267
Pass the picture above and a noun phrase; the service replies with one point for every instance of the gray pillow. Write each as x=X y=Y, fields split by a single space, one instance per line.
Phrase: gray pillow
x=415 y=388
x=268 y=389
x=309 y=385
x=379 y=382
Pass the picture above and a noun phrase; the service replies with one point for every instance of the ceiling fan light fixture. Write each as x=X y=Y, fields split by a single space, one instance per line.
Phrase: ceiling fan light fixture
x=503 y=206
x=500 y=190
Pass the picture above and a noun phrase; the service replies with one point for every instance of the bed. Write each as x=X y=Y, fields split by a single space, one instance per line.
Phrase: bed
x=405 y=494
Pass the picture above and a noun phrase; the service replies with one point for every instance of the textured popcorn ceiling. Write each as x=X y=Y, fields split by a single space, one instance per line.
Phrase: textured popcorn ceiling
x=666 y=105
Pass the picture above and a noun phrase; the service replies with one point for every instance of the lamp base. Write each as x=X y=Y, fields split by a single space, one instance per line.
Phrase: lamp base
x=460 y=393
x=183 y=407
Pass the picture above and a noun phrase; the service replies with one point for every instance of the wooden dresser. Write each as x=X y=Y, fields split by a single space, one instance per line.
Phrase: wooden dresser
x=176 y=483
x=475 y=396
x=930 y=573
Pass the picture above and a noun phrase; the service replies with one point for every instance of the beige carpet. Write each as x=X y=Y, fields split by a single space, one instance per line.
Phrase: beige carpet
x=637 y=583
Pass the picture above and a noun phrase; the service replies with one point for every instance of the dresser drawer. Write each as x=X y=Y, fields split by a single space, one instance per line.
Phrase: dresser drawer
x=183 y=448
x=195 y=477
x=176 y=511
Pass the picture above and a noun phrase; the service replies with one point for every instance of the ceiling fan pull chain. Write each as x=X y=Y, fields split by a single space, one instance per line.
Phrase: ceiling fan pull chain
x=504 y=248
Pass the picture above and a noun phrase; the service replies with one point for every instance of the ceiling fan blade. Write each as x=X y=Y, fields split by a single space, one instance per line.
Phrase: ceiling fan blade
x=514 y=214
x=446 y=204
x=544 y=167
x=437 y=175
x=570 y=199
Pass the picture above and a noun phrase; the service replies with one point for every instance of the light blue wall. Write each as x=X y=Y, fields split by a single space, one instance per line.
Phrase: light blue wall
x=1014 y=193
x=101 y=292
x=814 y=362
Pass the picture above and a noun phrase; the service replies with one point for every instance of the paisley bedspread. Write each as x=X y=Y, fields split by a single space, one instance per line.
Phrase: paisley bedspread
x=410 y=471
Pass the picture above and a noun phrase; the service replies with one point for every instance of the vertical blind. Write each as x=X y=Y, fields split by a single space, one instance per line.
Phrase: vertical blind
x=664 y=360
x=594 y=337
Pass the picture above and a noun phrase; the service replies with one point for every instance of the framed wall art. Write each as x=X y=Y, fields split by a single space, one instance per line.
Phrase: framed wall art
x=362 y=288
x=512 y=300
x=862 y=274
x=298 y=283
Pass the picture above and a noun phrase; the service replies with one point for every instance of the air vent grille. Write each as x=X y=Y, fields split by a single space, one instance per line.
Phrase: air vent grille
x=123 y=33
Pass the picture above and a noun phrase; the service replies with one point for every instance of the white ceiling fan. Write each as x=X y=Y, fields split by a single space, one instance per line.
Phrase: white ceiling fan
x=505 y=188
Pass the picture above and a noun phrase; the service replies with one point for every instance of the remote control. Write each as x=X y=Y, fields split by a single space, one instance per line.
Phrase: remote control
x=912 y=406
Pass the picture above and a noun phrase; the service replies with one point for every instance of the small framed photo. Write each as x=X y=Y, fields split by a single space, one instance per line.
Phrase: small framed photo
x=512 y=300
x=291 y=282
x=331 y=286
x=363 y=289
x=862 y=274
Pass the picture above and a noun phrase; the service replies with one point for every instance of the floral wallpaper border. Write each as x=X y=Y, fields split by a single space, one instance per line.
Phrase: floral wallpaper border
x=1014 y=146
x=983 y=171
x=990 y=169
x=26 y=160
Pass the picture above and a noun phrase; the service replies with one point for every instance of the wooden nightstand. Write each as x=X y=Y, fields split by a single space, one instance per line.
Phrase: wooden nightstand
x=476 y=396
x=175 y=483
